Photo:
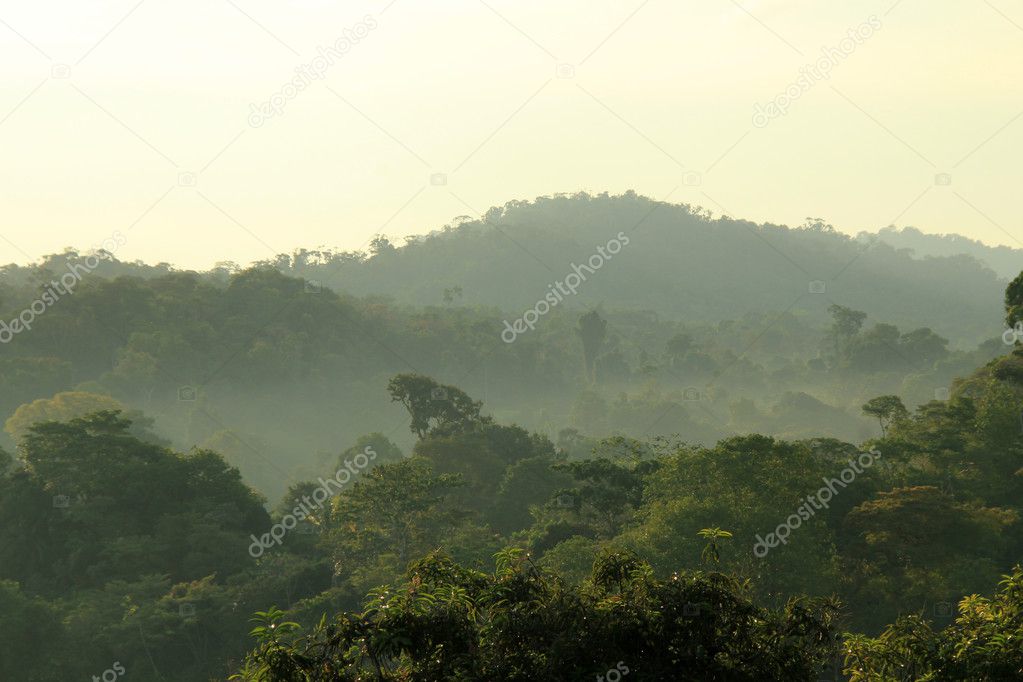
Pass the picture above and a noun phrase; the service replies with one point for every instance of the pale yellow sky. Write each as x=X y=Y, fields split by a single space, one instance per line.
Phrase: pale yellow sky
x=135 y=116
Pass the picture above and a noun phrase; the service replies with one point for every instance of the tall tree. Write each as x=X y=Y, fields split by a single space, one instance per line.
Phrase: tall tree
x=845 y=325
x=592 y=330
x=887 y=409
x=434 y=406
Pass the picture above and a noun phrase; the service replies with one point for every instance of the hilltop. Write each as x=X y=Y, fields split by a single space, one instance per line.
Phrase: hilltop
x=681 y=263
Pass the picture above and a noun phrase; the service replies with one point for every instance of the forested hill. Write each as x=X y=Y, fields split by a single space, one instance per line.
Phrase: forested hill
x=680 y=262
x=1005 y=261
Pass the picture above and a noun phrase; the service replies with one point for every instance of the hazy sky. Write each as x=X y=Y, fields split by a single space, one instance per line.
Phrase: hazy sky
x=137 y=116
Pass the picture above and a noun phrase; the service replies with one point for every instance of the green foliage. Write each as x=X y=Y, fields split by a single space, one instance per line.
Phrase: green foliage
x=886 y=408
x=393 y=510
x=27 y=623
x=983 y=644
x=711 y=554
x=271 y=631
x=113 y=546
x=264 y=349
x=94 y=503
x=434 y=407
x=1014 y=301
x=444 y=622
x=748 y=485
x=605 y=492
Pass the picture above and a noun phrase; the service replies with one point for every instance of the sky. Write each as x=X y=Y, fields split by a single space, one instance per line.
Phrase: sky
x=182 y=125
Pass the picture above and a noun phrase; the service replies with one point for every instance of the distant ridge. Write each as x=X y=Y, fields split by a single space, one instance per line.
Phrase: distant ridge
x=681 y=263
x=1006 y=261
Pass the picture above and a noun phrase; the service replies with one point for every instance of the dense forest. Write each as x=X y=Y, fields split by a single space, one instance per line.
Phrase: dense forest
x=334 y=466
x=279 y=364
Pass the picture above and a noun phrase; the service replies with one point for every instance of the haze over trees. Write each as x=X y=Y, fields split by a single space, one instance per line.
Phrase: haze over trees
x=332 y=467
x=697 y=326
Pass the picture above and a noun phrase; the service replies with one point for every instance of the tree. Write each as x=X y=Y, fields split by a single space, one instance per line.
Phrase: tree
x=677 y=347
x=816 y=225
x=748 y=485
x=386 y=451
x=381 y=246
x=482 y=456
x=397 y=509
x=95 y=504
x=29 y=624
x=712 y=552
x=1014 y=301
x=924 y=344
x=877 y=350
x=525 y=485
x=845 y=325
x=68 y=405
x=917 y=546
x=999 y=413
x=447 y=622
x=433 y=406
x=982 y=644
x=62 y=407
x=887 y=409
x=592 y=330
x=846 y=322
x=605 y=492
x=923 y=526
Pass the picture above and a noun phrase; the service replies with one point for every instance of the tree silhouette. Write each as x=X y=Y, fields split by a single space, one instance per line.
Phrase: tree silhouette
x=592 y=330
x=887 y=409
x=433 y=406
